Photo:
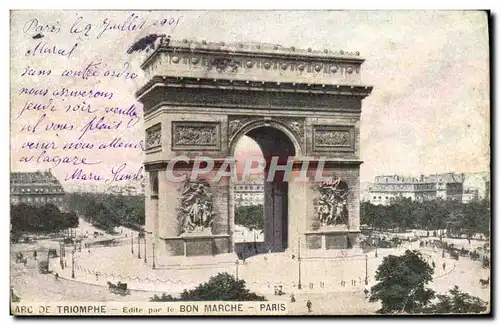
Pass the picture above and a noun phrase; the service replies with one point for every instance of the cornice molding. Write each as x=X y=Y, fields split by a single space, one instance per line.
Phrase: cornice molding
x=248 y=85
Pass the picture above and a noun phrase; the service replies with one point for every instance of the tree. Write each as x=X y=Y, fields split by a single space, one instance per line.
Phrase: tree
x=251 y=217
x=46 y=218
x=402 y=281
x=459 y=218
x=222 y=287
x=458 y=302
x=106 y=211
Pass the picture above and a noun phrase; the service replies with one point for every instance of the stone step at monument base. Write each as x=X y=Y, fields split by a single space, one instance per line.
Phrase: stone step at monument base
x=197 y=261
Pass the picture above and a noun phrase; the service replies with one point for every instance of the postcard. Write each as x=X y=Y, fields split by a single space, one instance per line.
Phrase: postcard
x=258 y=163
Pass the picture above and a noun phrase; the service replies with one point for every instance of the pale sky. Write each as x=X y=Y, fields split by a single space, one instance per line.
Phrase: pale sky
x=428 y=112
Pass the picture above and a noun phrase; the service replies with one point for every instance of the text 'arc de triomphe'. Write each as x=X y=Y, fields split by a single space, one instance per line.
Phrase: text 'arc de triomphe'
x=200 y=98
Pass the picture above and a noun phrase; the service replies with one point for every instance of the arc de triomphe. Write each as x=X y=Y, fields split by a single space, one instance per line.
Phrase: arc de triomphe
x=201 y=98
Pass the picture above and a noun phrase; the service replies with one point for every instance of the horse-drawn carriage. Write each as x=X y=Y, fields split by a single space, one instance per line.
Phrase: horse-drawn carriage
x=119 y=288
x=454 y=254
x=474 y=256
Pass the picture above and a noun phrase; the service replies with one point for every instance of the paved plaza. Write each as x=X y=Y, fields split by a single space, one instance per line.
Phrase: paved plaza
x=334 y=284
x=321 y=279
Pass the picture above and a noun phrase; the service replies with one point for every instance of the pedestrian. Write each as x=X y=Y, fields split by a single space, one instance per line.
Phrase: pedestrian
x=309 y=306
x=433 y=265
x=354 y=282
x=366 y=291
x=444 y=266
x=292 y=298
x=57 y=276
x=34 y=255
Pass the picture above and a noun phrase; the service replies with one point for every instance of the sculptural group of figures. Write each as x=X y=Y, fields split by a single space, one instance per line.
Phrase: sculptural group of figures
x=195 y=135
x=332 y=203
x=196 y=207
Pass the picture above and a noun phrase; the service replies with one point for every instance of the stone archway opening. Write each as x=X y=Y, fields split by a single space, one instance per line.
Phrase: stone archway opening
x=273 y=144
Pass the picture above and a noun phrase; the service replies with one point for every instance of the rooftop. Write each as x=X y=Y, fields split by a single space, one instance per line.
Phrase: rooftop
x=432 y=178
x=257 y=47
x=29 y=178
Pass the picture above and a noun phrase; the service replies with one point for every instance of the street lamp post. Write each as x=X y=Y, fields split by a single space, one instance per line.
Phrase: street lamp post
x=73 y=264
x=48 y=261
x=132 y=243
x=255 y=240
x=154 y=265
x=145 y=245
x=61 y=255
x=237 y=264
x=299 y=286
x=139 y=246
x=366 y=269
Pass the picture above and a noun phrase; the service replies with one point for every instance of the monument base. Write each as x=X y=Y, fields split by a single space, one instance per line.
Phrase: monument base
x=332 y=239
x=198 y=243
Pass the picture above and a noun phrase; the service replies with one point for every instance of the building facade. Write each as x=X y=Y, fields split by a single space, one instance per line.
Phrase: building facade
x=479 y=182
x=37 y=189
x=470 y=195
x=249 y=193
x=387 y=188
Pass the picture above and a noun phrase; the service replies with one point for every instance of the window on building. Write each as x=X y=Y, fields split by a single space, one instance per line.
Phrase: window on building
x=379 y=197
x=153 y=179
x=374 y=197
x=386 y=197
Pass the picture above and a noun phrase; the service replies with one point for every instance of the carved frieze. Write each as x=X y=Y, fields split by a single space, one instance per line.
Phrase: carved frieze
x=333 y=138
x=234 y=63
x=331 y=206
x=225 y=64
x=296 y=125
x=153 y=137
x=236 y=123
x=195 y=135
x=196 y=208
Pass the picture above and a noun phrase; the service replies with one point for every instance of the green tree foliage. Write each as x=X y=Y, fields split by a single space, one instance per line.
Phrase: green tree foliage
x=106 y=211
x=43 y=219
x=402 y=214
x=251 y=217
x=401 y=283
x=222 y=287
x=457 y=302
